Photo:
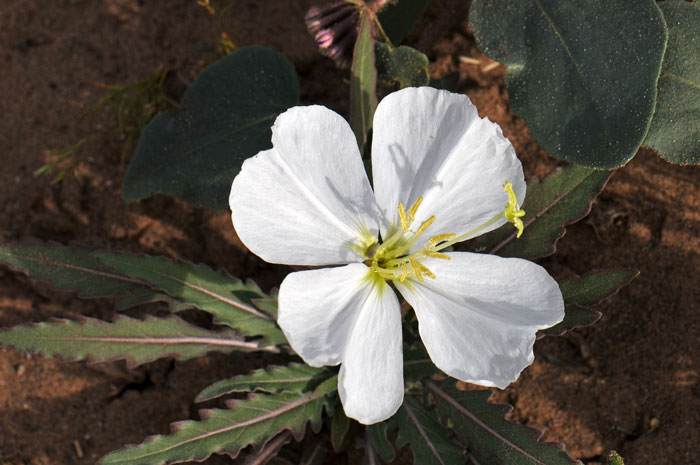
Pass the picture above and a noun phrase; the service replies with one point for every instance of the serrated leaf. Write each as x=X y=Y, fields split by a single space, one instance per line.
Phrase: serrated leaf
x=134 y=340
x=675 y=128
x=575 y=316
x=225 y=297
x=295 y=377
x=377 y=439
x=582 y=74
x=587 y=290
x=594 y=287
x=562 y=198
x=426 y=437
x=403 y=66
x=398 y=18
x=341 y=430
x=225 y=118
x=253 y=421
x=73 y=268
x=489 y=436
x=615 y=459
x=363 y=82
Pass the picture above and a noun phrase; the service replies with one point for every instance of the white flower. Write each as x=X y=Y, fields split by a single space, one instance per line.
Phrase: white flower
x=307 y=201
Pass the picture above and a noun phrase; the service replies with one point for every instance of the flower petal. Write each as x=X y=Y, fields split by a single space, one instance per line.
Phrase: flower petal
x=478 y=318
x=431 y=143
x=370 y=382
x=306 y=201
x=342 y=315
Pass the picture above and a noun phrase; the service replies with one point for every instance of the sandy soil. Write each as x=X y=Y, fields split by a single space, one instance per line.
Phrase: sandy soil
x=628 y=383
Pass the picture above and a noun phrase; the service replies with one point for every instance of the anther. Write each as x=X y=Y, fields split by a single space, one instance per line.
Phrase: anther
x=416 y=269
x=404 y=273
x=402 y=215
x=431 y=253
x=439 y=238
x=425 y=270
x=414 y=209
x=425 y=225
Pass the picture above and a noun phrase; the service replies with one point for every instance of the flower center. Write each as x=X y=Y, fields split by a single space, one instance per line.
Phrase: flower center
x=393 y=260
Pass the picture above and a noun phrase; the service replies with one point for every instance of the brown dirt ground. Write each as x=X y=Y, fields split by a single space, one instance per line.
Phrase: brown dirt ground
x=628 y=383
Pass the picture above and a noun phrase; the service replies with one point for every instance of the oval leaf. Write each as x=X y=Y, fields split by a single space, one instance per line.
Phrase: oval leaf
x=582 y=73
x=675 y=129
x=225 y=117
x=402 y=66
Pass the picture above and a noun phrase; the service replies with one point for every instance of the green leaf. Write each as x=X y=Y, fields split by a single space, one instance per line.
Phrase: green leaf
x=73 y=268
x=575 y=316
x=490 y=437
x=363 y=83
x=225 y=297
x=615 y=459
x=402 y=66
x=448 y=82
x=417 y=363
x=341 y=430
x=426 y=437
x=253 y=421
x=295 y=377
x=134 y=340
x=379 y=442
x=594 y=287
x=225 y=117
x=561 y=199
x=587 y=290
x=581 y=73
x=675 y=129
x=398 y=18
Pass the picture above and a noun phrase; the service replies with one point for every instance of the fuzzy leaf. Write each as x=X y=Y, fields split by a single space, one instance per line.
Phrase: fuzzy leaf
x=489 y=436
x=403 y=66
x=73 y=268
x=253 y=421
x=575 y=316
x=594 y=287
x=225 y=297
x=379 y=442
x=398 y=18
x=587 y=290
x=426 y=437
x=225 y=117
x=134 y=340
x=562 y=198
x=675 y=129
x=581 y=73
x=363 y=83
x=295 y=377
x=417 y=363
x=341 y=430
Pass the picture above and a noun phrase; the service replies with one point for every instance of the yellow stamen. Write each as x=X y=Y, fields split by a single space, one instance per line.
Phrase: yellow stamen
x=425 y=270
x=402 y=215
x=439 y=238
x=512 y=211
x=414 y=209
x=416 y=269
x=425 y=225
x=404 y=273
x=431 y=253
